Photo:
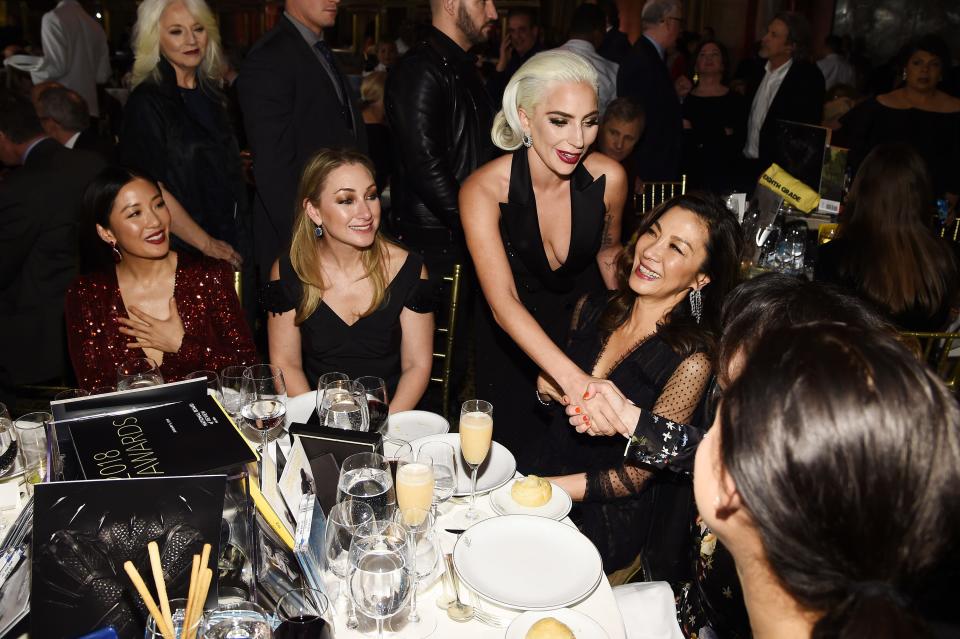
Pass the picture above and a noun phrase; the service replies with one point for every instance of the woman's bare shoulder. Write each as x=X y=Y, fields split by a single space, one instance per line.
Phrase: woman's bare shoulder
x=492 y=180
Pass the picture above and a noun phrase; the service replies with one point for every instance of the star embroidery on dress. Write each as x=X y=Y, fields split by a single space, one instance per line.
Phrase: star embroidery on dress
x=664 y=452
x=728 y=592
x=656 y=419
x=666 y=436
x=670 y=426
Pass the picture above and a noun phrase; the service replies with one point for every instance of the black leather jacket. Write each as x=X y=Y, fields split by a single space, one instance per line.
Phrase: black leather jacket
x=440 y=115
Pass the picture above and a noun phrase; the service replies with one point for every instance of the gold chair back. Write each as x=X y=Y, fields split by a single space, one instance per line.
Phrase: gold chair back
x=238 y=285
x=656 y=193
x=445 y=333
x=941 y=351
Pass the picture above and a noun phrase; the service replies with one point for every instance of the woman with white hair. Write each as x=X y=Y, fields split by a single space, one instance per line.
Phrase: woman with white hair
x=176 y=128
x=543 y=228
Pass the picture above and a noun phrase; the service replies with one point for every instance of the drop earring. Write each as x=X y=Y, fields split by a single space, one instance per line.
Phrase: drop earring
x=696 y=304
x=318 y=232
x=117 y=256
x=527 y=140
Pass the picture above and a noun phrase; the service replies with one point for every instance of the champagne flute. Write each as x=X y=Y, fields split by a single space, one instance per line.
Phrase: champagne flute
x=213 y=383
x=366 y=477
x=377 y=403
x=444 y=458
x=231 y=379
x=380 y=572
x=263 y=400
x=424 y=553
x=302 y=613
x=414 y=486
x=344 y=521
x=476 y=435
x=344 y=406
x=138 y=372
x=325 y=379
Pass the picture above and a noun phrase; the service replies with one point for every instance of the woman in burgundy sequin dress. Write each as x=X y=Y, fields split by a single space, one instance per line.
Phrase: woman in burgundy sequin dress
x=179 y=310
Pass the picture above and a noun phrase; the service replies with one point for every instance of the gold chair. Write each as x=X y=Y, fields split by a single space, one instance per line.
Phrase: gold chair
x=656 y=193
x=238 y=285
x=826 y=232
x=445 y=334
x=941 y=351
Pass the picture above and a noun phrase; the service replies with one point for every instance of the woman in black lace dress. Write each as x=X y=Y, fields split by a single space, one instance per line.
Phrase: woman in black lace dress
x=653 y=339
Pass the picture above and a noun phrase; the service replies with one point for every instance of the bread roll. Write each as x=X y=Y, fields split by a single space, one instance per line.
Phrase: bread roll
x=549 y=628
x=531 y=491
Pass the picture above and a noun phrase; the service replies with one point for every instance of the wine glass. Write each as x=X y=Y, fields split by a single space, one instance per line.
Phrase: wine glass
x=325 y=379
x=263 y=400
x=243 y=620
x=476 y=435
x=424 y=554
x=302 y=613
x=231 y=379
x=393 y=451
x=380 y=575
x=377 y=403
x=31 y=430
x=366 y=477
x=414 y=484
x=213 y=383
x=344 y=521
x=8 y=443
x=444 y=458
x=138 y=372
x=344 y=406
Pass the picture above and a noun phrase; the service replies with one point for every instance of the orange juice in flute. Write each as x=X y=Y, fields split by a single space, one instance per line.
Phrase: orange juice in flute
x=476 y=435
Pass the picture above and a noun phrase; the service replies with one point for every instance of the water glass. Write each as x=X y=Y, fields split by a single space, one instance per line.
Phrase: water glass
x=231 y=379
x=138 y=372
x=424 y=554
x=344 y=520
x=31 y=430
x=178 y=609
x=366 y=477
x=213 y=383
x=444 y=458
x=302 y=613
x=241 y=620
x=380 y=574
x=8 y=446
x=263 y=400
x=344 y=406
x=377 y=403
x=327 y=378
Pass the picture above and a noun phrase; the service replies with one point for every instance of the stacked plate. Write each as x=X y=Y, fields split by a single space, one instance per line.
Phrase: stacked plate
x=409 y=425
x=498 y=468
x=526 y=562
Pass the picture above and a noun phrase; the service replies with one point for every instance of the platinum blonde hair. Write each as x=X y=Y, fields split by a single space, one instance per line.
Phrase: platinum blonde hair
x=146 y=41
x=527 y=86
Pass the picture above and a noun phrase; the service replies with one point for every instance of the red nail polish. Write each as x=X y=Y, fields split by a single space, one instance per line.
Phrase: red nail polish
x=578 y=410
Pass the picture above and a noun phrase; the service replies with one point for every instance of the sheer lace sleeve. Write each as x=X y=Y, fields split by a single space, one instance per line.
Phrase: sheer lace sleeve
x=662 y=439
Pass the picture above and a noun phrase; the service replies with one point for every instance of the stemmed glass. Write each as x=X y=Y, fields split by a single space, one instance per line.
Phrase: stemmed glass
x=476 y=435
x=231 y=380
x=366 y=477
x=377 y=404
x=393 y=451
x=380 y=575
x=263 y=400
x=343 y=522
x=241 y=619
x=138 y=372
x=425 y=554
x=344 y=406
x=444 y=458
x=8 y=443
x=325 y=379
x=301 y=613
x=31 y=432
x=414 y=484
x=213 y=383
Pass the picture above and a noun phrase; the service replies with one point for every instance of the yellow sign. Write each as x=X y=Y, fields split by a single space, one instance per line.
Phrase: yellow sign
x=796 y=193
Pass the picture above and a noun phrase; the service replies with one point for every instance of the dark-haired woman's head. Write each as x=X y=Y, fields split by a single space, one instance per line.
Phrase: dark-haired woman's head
x=924 y=61
x=711 y=57
x=686 y=249
x=124 y=214
x=834 y=469
x=889 y=209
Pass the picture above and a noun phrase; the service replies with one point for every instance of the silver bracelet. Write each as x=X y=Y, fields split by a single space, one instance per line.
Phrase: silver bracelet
x=540 y=399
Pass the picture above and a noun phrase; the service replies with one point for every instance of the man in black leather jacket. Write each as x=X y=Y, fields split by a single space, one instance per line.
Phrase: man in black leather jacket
x=440 y=115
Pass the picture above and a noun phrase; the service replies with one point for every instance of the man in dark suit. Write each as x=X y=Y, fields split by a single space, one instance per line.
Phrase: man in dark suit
x=644 y=76
x=65 y=117
x=39 y=211
x=790 y=87
x=615 y=46
x=295 y=100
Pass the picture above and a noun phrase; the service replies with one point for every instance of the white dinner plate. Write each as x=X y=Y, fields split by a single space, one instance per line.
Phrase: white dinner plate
x=582 y=626
x=497 y=469
x=557 y=508
x=301 y=408
x=409 y=425
x=527 y=563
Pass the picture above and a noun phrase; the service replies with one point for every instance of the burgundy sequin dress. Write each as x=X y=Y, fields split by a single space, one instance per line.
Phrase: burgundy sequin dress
x=215 y=333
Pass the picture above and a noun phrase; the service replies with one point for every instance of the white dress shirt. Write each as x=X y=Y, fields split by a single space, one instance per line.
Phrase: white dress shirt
x=836 y=70
x=606 y=70
x=72 y=142
x=766 y=92
x=75 y=52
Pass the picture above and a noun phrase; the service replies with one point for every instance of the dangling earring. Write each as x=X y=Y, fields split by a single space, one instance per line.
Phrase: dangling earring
x=903 y=76
x=117 y=256
x=527 y=140
x=696 y=304
x=318 y=231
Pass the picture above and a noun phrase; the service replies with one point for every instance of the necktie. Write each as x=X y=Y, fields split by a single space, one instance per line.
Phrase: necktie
x=337 y=77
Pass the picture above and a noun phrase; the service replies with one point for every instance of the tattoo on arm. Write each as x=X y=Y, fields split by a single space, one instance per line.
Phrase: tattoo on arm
x=607 y=240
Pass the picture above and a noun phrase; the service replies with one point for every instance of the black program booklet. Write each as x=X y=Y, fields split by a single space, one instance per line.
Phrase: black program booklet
x=175 y=438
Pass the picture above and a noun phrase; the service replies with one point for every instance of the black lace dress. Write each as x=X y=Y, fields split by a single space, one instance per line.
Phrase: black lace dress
x=628 y=509
x=505 y=375
x=369 y=346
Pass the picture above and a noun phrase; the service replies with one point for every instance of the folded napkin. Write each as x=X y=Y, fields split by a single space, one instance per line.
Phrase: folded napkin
x=648 y=610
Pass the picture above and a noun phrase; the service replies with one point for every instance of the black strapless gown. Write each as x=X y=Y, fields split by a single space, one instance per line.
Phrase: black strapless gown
x=506 y=377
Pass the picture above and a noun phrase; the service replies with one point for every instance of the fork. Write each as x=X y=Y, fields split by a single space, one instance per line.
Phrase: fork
x=489 y=618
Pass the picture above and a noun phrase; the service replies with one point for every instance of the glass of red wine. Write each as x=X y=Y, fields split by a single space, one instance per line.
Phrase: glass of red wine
x=302 y=613
x=377 y=403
